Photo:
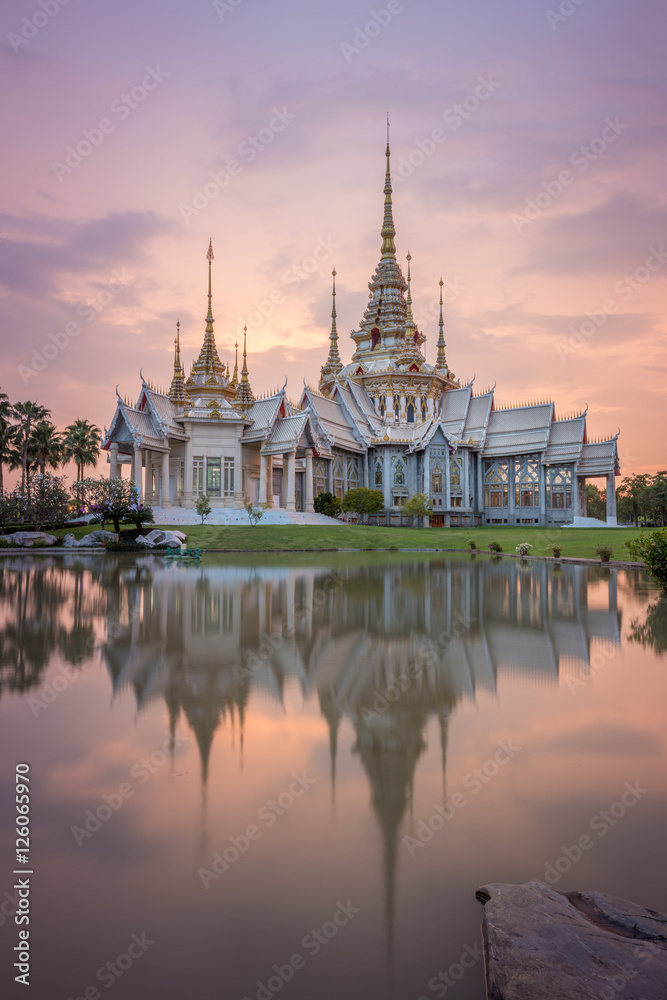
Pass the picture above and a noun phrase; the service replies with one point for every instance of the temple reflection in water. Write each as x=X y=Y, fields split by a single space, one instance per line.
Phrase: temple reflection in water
x=388 y=646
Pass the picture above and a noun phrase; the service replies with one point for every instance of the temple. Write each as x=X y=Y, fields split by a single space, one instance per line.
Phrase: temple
x=388 y=420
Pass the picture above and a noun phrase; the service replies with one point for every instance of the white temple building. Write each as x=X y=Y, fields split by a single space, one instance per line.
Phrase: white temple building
x=388 y=420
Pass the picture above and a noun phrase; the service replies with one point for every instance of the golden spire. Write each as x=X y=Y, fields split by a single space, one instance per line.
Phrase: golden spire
x=410 y=325
x=388 y=231
x=441 y=362
x=235 y=377
x=244 y=396
x=208 y=363
x=333 y=363
x=177 y=389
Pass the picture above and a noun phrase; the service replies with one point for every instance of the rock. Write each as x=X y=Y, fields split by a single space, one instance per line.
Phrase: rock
x=162 y=539
x=29 y=538
x=540 y=943
x=96 y=539
x=143 y=540
x=69 y=541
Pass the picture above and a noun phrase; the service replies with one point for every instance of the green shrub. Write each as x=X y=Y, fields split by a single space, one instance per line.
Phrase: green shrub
x=605 y=552
x=328 y=504
x=472 y=543
x=523 y=548
x=556 y=551
x=495 y=546
x=652 y=551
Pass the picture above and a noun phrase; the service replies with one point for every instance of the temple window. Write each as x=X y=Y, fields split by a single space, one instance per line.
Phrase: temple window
x=319 y=476
x=352 y=473
x=397 y=407
x=198 y=474
x=424 y=410
x=496 y=479
x=559 y=488
x=375 y=338
x=338 y=477
x=526 y=484
x=399 y=474
x=436 y=479
x=229 y=477
x=410 y=410
x=378 y=473
x=213 y=477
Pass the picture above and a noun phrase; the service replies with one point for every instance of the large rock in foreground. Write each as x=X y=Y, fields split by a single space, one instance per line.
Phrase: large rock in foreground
x=29 y=538
x=540 y=943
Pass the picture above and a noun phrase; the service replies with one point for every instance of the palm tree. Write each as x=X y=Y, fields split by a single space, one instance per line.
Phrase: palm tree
x=81 y=443
x=7 y=436
x=46 y=447
x=27 y=414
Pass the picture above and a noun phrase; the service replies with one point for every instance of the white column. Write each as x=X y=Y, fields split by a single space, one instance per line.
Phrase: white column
x=611 y=499
x=165 y=499
x=148 y=476
x=188 y=500
x=466 y=479
x=113 y=456
x=263 y=474
x=309 y=481
x=137 y=469
x=448 y=484
x=290 y=496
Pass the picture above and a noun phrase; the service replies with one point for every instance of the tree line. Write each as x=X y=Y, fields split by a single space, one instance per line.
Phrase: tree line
x=640 y=499
x=29 y=441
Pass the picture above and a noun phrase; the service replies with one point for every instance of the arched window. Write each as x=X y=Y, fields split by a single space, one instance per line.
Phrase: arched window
x=424 y=410
x=375 y=338
x=378 y=473
x=436 y=478
x=559 y=488
x=526 y=484
x=410 y=410
x=397 y=407
x=399 y=474
x=496 y=479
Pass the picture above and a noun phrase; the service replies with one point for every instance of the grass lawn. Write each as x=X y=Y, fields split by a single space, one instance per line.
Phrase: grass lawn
x=574 y=542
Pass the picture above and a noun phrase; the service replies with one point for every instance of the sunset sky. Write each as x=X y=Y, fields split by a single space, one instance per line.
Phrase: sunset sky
x=528 y=156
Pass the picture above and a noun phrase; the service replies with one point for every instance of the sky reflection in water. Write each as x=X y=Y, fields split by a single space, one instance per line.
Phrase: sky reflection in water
x=274 y=741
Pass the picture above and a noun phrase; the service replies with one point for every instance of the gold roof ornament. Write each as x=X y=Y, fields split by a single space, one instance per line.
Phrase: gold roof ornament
x=244 y=397
x=333 y=363
x=177 y=388
x=388 y=231
x=235 y=377
x=441 y=361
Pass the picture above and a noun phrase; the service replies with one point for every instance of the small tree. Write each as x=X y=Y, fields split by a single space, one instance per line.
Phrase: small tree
x=108 y=499
x=48 y=501
x=417 y=506
x=363 y=501
x=139 y=515
x=203 y=506
x=255 y=514
x=327 y=504
x=652 y=551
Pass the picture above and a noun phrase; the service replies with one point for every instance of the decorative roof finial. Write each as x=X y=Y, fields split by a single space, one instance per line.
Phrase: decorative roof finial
x=244 y=395
x=388 y=230
x=177 y=388
x=410 y=325
x=235 y=377
x=441 y=362
x=333 y=363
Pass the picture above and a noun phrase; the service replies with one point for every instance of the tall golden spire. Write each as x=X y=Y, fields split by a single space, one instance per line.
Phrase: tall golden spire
x=410 y=323
x=441 y=361
x=333 y=364
x=177 y=389
x=235 y=377
x=388 y=230
x=208 y=363
x=244 y=395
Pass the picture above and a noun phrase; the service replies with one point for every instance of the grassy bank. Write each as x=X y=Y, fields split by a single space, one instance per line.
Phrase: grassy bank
x=574 y=542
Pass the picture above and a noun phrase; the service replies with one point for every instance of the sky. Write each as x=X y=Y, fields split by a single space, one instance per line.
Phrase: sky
x=528 y=149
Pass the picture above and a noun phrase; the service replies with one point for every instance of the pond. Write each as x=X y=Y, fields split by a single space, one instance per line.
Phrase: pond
x=288 y=775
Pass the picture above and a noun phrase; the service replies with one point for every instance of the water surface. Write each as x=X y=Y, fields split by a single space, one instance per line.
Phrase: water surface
x=288 y=775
